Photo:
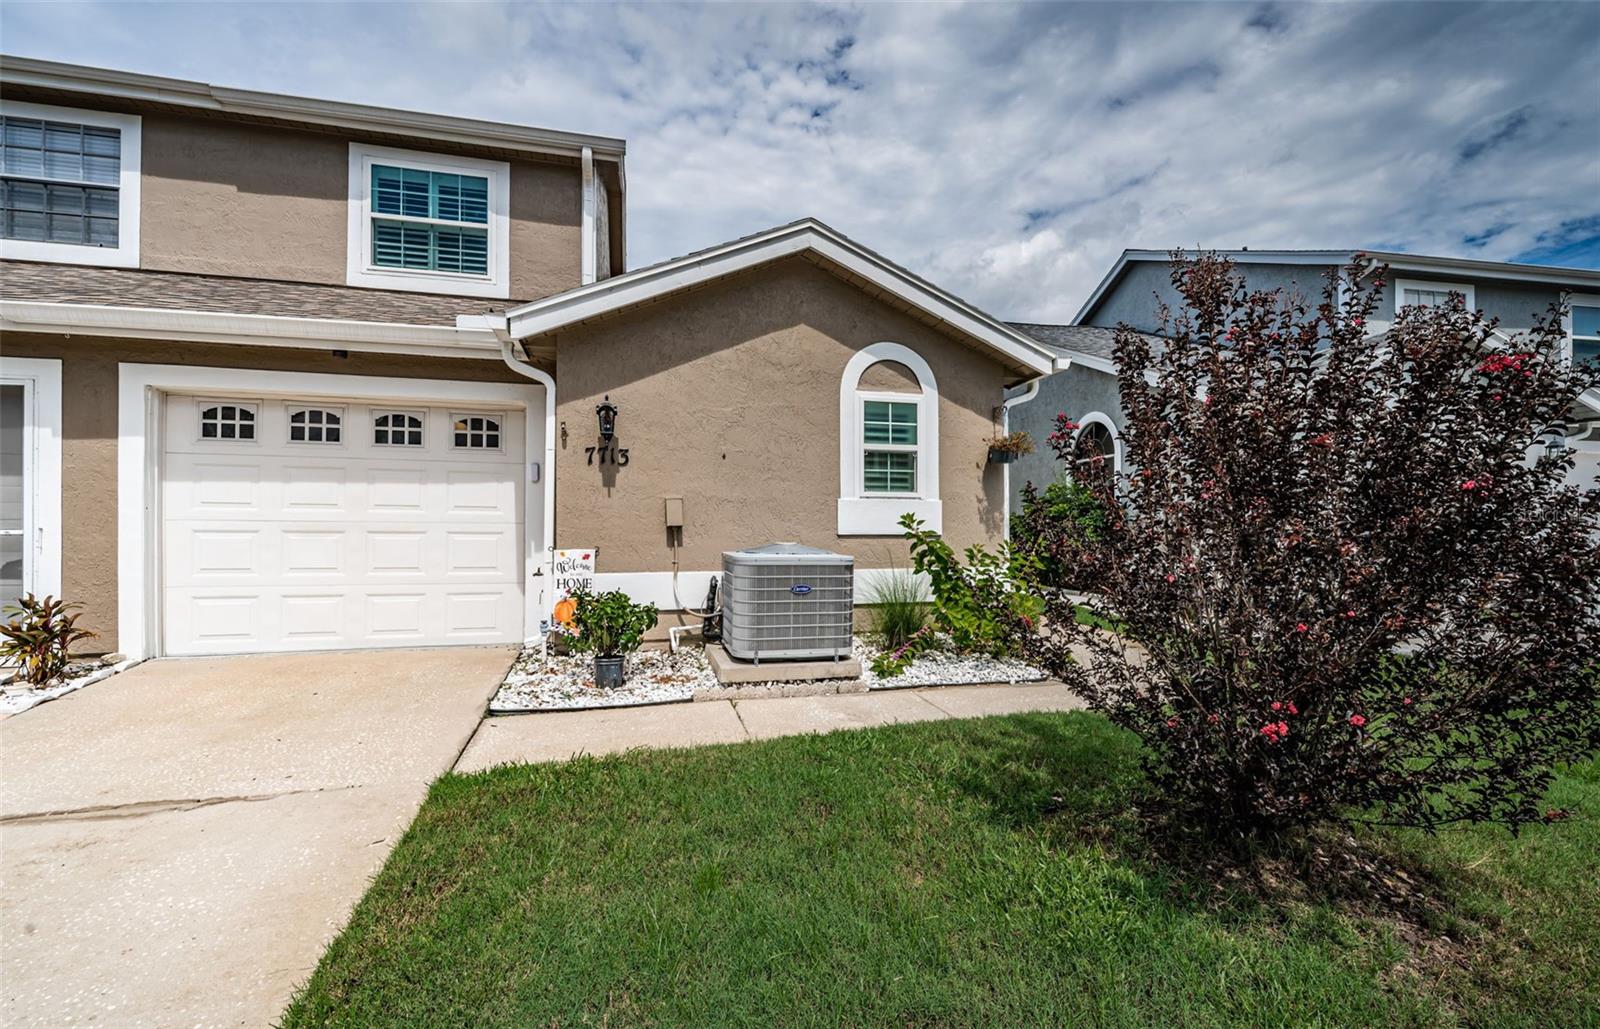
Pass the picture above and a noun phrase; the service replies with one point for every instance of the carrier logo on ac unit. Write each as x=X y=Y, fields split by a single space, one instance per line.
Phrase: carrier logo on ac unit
x=799 y=589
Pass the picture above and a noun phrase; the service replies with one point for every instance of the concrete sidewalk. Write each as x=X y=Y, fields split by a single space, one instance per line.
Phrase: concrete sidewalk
x=558 y=735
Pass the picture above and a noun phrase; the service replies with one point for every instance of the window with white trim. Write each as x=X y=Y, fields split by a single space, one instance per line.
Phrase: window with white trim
x=475 y=432
x=228 y=420
x=428 y=222
x=315 y=424
x=69 y=185
x=889 y=446
x=1094 y=452
x=1583 y=327
x=888 y=443
x=1422 y=293
x=397 y=429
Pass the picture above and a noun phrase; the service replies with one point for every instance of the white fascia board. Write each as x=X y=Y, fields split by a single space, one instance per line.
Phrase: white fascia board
x=253 y=329
x=1554 y=276
x=612 y=294
x=24 y=71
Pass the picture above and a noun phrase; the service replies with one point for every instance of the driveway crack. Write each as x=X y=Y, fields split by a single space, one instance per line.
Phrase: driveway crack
x=138 y=809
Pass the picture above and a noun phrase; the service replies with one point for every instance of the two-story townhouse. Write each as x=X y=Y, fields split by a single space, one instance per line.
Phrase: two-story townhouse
x=1133 y=292
x=293 y=374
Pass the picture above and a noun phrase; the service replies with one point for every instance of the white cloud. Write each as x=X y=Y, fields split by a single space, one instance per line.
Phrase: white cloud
x=1009 y=153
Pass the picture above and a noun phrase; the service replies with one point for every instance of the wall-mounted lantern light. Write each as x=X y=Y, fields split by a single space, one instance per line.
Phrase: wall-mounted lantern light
x=1554 y=438
x=606 y=413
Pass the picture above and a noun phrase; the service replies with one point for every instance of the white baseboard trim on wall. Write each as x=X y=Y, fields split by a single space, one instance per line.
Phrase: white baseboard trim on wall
x=656 y=587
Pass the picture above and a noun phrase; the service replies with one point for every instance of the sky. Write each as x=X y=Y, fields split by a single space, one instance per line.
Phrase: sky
x=1008 y=153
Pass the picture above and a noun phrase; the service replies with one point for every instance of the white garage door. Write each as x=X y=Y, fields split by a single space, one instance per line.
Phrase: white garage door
x=325 y=524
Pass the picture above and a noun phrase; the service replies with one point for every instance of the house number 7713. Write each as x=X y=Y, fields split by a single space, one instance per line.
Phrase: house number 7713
x=608 y=455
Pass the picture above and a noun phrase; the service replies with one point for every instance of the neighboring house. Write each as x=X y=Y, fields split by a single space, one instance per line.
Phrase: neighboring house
x=288 y=374
x=1085 y=388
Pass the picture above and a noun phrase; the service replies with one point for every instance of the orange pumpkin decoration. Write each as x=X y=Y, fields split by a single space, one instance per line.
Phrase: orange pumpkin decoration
x=566 y=609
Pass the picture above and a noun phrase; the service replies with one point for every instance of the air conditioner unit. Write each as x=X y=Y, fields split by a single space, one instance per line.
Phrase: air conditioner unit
x=787 y=602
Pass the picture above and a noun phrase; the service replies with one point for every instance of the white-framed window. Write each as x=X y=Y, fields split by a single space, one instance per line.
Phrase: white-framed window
x=888 y=447
x=475 y=431
x=398 y=428
x=1583 y=327
x=1096 y=450
x=315 y=424
x=889 y=443
x=433 y=223
x=69 y=185
x=227 y=421
x=1422 y=293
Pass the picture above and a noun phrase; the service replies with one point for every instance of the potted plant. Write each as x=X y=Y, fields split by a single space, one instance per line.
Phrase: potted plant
x=1006 y=449
x=611 y=626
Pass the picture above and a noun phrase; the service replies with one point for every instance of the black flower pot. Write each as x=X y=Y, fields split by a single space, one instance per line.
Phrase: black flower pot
x=608 y=672
x=1001 y=456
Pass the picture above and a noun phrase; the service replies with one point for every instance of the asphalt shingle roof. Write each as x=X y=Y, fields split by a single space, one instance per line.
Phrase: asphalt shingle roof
x=1067 y=340
x=127 y=287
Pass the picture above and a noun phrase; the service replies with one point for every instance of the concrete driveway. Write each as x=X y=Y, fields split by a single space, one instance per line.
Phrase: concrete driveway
x=179 y=842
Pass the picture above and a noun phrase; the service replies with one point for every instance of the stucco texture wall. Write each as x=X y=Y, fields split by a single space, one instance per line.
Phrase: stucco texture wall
x=1076 y=392
x=234 y=198
x=729 y=398
x=89 y=437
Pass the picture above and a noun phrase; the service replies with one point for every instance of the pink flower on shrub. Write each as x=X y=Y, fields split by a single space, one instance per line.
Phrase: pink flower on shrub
x=1350 y=613
x=1212 y=719
x=1324 y=439
x=1470 y=485
x=1172 y=723
x=1275 y=731
x=1292 y=709
x=1406 y=702
x=1277 y=705
x=1358 y=720
x=1171 y=577
x=1301 y=627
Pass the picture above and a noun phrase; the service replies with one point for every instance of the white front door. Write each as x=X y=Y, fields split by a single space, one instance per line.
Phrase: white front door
x=30 y=478
x=318 y=524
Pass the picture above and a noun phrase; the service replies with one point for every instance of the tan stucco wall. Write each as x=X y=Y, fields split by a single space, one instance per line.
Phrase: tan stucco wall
x=230 y=198
x=89 y=437
x=729 y=398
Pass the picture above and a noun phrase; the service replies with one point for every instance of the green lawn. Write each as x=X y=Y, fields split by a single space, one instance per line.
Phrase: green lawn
x=953 y=873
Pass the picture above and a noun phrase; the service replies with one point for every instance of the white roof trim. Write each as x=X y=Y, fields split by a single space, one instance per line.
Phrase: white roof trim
x=27 y=71
x=253 y=329
x=1311 y=257
x=612 y=294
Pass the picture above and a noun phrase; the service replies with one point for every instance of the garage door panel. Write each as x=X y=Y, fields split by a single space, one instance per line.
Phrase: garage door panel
x=274 y=545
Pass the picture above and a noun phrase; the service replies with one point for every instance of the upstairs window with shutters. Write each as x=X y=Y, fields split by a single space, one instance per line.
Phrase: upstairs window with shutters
x=428 y=222
x=68 y=185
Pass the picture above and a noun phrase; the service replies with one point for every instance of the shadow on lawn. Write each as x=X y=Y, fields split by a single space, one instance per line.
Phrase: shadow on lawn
x=1077 y=783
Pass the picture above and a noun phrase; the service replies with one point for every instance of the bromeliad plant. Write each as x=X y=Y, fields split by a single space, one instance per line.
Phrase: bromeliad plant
x=39 y=637
x=1356 y=582
x=984 y=605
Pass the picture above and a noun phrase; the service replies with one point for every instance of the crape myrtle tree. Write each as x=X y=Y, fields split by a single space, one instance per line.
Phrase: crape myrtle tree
x=1350 y=579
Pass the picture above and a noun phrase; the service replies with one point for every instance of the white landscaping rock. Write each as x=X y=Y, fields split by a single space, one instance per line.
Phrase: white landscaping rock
x=566 y=682
x=17 y=697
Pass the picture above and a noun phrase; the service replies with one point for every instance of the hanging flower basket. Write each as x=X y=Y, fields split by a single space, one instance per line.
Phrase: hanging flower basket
x=1006 y=449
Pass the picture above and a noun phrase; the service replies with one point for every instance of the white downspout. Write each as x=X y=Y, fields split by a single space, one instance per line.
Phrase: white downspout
x=589 y=243
x=1061 y=365
x=547 y=474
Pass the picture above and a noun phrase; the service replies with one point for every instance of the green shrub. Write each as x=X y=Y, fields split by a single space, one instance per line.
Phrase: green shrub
x=899 y=603
x=1059 y=528
x=39 y=637
x=985 y=605
x=610 y=624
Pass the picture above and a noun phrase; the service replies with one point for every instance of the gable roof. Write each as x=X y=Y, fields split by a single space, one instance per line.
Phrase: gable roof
x=807 y=237
x=1583 y=278
x=77 y=78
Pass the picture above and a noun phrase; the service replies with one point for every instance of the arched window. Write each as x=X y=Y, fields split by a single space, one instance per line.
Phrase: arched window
x=476 y=432
x=397 y=429
x=314 y=425
x=232 y=420
x=1094 y=449
x=888 y=441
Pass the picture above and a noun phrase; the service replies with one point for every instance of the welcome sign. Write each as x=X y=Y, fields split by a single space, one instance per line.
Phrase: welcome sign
x=573 y=570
